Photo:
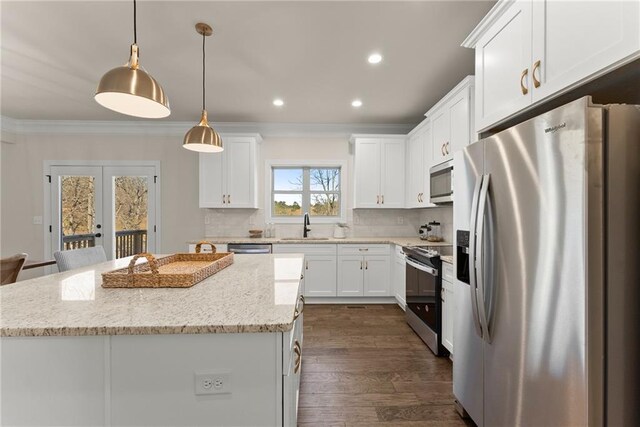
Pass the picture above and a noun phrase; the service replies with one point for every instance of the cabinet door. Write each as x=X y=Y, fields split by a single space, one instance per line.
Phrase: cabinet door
x=399 y=272
x=350 y=276
x=367 y=174
x=416 y=170
x=459 y=127
x=392 y=176
x=503 y=54
x=574 y=40
x=320 y=276
x=441 y=134
x=447 y=315
x=211 y=180
x=377 y=276
x=427 y=161
x=240 y=172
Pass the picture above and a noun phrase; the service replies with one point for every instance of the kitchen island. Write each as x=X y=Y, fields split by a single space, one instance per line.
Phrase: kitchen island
x=74 y=353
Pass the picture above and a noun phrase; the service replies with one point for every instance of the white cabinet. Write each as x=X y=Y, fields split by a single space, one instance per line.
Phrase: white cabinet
x=364 y=270
x=319 y=267
x=448 y=306
x=528 y=51
x=292 y=349
x=379 y=171
x=451 y=122
x=399 y=276
x=229 y=179
x=418 y=162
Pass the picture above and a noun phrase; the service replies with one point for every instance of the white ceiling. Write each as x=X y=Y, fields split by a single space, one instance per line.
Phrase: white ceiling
x=311 y=54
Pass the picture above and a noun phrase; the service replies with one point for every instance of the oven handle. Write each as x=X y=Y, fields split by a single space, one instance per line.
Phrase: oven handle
x=472 y=256
x=422 y=267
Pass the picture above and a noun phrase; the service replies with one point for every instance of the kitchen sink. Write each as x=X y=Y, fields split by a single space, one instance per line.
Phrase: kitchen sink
x=305 y=238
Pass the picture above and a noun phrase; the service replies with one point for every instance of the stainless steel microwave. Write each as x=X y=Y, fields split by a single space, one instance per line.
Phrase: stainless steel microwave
x=441 y=183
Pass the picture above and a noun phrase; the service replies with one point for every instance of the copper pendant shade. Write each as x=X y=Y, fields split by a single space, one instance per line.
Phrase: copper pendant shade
x=202 y=137
x=130 y=90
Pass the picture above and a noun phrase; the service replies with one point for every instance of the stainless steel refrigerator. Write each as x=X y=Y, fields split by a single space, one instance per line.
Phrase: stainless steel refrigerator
x=547 y=219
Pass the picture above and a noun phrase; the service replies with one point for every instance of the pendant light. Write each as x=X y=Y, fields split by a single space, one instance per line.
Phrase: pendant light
x=202 y=137
x=130 y=90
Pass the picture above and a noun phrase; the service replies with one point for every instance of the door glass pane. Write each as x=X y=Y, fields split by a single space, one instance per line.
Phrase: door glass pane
x=78 y=212
x=130 y=209
x=287 y=204
x=323 y=204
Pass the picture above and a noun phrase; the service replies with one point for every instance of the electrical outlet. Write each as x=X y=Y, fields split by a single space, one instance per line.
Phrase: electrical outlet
x=400 y=220
x=212 y=383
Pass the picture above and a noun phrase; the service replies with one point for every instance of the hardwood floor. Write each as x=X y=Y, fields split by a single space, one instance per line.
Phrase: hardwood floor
x=364 y=366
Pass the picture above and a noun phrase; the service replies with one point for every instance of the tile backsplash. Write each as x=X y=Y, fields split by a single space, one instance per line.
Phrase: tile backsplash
x=361 y=222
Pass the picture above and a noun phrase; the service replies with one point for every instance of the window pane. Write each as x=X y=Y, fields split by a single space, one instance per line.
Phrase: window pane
x=287 y=204
x=131 y=206
x=287 y=179
x=326 y=179
x=325 y=204
x=77 y=216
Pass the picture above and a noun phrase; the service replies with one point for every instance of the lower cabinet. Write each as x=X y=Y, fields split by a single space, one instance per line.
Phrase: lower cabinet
x=448 y=306
x=364 y=271
x=291 y=367
x=319 y=267
x=399 y=276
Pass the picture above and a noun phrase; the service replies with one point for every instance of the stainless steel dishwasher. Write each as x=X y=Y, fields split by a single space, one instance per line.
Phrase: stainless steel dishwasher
x=249 y=248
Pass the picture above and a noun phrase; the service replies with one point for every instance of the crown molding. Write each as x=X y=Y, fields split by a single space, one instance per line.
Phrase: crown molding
x=489 y=19
x=165 y=128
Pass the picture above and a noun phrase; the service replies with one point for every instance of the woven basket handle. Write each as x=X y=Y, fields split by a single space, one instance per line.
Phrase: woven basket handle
x=204 y=242
x=150 y=258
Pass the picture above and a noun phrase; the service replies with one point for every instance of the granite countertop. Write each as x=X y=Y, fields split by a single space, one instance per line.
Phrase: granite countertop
x=447 y=258
x=257 y=293
x=402 y=241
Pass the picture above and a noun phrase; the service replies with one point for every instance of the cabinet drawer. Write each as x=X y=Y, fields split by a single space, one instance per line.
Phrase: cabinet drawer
x=323 y=249
x=447 y=272
x=351 y=249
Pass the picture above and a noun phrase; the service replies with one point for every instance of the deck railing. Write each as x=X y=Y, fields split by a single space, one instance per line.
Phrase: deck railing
x=128 y=242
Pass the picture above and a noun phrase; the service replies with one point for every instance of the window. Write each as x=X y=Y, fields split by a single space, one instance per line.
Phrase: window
x=296 y=190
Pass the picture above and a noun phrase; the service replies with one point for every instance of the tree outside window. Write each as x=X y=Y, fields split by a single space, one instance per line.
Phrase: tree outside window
x=297 y=190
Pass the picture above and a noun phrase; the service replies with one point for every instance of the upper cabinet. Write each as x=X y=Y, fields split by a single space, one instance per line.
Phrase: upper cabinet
x=418 y=162
x=528 y=51
x=229 y=179
x=379 y=171
x=451 y=122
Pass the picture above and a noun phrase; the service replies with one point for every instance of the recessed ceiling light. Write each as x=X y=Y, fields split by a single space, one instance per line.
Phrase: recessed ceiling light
x=278 y=102
x=356 y=103
x=374 y=58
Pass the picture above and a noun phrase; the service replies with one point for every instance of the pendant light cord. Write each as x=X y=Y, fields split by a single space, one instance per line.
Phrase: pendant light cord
x=203 y=72
x=135 y=32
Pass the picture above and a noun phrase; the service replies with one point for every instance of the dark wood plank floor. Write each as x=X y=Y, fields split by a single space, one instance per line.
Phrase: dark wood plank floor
x=364 y=366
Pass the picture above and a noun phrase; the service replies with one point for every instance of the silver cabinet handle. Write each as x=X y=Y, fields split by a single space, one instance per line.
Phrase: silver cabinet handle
x=224 y=201
x=306 y=265
x=377 y=200
x=363 y=249
x=360 y=265
x=228 y=199
x=366 y=265
x=382 y=198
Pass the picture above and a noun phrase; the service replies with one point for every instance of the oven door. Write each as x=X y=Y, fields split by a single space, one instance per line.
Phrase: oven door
x=422 y=292
x=441 y=183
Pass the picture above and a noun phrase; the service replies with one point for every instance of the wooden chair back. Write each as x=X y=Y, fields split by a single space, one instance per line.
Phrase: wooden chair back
x=10 y=268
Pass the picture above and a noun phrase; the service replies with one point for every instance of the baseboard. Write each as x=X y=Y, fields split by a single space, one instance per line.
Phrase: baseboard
x=350 y=300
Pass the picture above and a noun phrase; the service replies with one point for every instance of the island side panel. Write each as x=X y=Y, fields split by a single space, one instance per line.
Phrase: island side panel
x=53 y=381
x=152 y=379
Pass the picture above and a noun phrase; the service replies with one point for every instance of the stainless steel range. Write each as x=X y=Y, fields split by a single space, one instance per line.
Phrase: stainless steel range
x=423 y=287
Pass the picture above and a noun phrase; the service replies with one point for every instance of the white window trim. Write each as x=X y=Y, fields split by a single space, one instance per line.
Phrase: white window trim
x=269 y=164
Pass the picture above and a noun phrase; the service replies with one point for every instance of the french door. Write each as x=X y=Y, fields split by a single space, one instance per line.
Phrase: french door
x=109 y=206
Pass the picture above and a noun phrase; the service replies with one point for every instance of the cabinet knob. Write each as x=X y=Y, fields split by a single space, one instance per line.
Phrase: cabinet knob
x=536 y=66
x=523 y=88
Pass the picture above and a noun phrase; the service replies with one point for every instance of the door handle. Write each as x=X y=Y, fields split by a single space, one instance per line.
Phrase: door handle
x=224 y=201
x=228 y=199
x=366 y=265
x=482 y=208
x=442 y=149
x=446 y=147
x=377 y=200
x=306 y=265
x=536 y=66
x=98 y=234
x=382 y=198
x=297 y=349
x=523 y=88
x=361 y=265
x=472 y=256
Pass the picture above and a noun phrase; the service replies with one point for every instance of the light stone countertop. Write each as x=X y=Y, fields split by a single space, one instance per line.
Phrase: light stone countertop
x=447 y=258
x=402 y=241
x=257 y=293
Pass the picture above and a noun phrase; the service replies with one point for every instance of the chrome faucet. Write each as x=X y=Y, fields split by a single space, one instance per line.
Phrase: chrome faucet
x=305 y=230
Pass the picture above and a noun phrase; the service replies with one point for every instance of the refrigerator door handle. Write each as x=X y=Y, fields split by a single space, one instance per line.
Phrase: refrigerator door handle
x=472 y=257
x=482 y=209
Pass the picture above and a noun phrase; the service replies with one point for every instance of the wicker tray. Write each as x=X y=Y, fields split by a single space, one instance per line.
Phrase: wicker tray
x=173 y=271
